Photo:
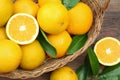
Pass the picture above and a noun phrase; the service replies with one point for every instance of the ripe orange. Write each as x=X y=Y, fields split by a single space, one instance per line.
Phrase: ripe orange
x=3 y=33
x=81 y=19
x=22 y=28
x=33 y=55
x=53 y=18
x=63 y=73
x=6 y=10
x=26 y=6
x=108 y=51
x=10 y=55
x=42 y=2
x=61 y=42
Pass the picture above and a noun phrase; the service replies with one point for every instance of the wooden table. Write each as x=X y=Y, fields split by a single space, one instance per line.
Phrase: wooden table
x=110 y=27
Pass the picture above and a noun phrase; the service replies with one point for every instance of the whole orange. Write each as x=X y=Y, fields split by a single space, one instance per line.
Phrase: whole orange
x=81 y=18
x=3 y=33
x=33 y=55
x=63 y=73
x=61 y=42
x=26 y=6
x=42 y=2
x=53 y=18
x=10 y=55
x=6 y=10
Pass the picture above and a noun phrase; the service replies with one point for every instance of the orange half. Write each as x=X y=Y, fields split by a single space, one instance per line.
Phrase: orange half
x=108 y=51
x=22 y=28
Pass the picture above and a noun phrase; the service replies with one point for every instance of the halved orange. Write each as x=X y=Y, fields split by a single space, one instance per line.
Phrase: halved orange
x=22 y=28
x=108 y=51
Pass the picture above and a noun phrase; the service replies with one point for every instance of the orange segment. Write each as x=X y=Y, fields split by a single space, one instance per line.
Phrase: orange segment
x=22 y=28
x=108 y=51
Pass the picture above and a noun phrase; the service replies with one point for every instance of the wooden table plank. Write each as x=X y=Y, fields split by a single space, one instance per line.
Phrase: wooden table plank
x=114 y=6
x=110 y=27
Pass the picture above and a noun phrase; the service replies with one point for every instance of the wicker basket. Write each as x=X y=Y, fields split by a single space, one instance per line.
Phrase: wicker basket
x=98 y=8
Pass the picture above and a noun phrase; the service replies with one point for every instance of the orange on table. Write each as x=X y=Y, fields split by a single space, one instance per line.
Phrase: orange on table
x=61 y=42
x=43 y=2
x=26 y=6
x=81 y=18
x=108 y=51
x=63 y=73
x=10 y=55
x=3 y=33
x=22 y=28
x=53 y=18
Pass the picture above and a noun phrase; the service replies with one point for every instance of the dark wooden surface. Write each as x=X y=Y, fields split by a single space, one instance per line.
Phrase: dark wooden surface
x=110 y=27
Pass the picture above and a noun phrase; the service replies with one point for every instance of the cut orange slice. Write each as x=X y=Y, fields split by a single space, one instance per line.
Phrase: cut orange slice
x=108 y=51
x=22 y=28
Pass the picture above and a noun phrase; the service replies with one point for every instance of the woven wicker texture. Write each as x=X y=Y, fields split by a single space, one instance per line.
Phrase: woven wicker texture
x=98 y=7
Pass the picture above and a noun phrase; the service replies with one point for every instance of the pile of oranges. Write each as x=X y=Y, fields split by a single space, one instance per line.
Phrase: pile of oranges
x=20 y=28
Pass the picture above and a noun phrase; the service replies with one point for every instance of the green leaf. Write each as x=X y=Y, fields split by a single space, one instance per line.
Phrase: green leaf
x=111 y=71
x=93 y=61
x=77 y=43
x=42 y=38
x=88 y=66
x=69 y=3
x=111 y=78
x=83 y=72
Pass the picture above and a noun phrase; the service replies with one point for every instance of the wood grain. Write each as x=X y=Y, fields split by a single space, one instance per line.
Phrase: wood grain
x=114 y=6
x=110 y=27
